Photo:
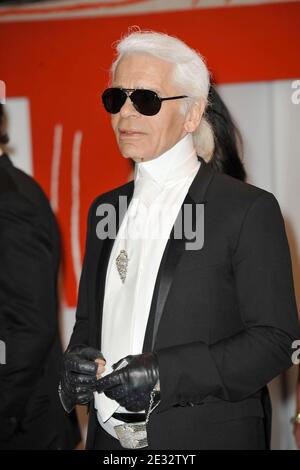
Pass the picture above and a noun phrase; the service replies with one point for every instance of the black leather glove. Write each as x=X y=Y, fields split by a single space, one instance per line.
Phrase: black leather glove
x=131 y=385
x=78 y=376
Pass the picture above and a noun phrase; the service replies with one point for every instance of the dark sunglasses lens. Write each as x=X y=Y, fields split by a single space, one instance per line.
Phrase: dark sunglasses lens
x=113 y=99
x=146 y=102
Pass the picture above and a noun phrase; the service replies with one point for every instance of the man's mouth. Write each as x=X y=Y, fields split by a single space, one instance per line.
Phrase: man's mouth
x=129 y=132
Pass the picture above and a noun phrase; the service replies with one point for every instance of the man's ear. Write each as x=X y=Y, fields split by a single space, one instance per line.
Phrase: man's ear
x=194 y=116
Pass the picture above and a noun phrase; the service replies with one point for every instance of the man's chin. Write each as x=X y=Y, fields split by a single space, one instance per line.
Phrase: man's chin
x=134 y=157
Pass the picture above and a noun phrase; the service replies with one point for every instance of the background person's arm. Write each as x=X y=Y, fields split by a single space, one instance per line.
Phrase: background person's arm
x=28 y=316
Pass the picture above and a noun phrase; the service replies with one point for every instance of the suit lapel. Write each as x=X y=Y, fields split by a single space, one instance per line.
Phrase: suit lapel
x=172 y=254
x=101 y=263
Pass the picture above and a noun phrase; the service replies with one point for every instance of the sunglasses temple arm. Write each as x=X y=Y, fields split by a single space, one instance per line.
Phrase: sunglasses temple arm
x=173 y=98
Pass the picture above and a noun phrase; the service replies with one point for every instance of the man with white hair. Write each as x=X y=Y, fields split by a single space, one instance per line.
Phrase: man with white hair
x=191 y=324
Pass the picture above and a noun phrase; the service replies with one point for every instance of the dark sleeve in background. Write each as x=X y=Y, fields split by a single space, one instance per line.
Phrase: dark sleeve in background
x=31 y=415
x=28 y=316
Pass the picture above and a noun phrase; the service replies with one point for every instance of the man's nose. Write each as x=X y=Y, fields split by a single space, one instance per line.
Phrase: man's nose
x=128 y=108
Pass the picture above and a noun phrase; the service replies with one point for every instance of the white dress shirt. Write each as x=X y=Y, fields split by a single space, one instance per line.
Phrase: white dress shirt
x=160 y=187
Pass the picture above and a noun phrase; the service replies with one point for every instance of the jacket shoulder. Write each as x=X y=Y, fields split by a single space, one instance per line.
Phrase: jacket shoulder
x=18 y=184
x=234 y=191
x=7 y=183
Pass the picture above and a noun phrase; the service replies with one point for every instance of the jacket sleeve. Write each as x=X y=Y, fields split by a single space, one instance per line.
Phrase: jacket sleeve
x=80 y=333
x=28 y=303
x=238 y=366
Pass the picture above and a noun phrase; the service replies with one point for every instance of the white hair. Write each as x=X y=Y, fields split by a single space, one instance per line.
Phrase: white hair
x=190 y=74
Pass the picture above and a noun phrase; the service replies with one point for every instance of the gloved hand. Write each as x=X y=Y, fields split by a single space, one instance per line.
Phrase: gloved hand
x=78 y=376
x=131 y=385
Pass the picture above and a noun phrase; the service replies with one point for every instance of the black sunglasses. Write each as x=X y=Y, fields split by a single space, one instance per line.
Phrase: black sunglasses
x=146 y=102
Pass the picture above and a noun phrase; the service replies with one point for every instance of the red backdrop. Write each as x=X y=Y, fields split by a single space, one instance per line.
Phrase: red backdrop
x=61 y=66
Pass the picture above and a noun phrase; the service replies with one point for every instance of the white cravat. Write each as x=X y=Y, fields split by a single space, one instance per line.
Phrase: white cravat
x=159 y=184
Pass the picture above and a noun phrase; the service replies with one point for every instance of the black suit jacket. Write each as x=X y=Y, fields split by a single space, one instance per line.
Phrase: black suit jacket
x=222 y=318
x=31 y=415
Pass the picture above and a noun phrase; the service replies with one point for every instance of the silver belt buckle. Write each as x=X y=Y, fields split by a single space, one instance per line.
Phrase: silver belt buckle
x=132 y=435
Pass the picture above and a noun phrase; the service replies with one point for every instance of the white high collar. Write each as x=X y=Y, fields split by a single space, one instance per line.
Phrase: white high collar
x=171 y=166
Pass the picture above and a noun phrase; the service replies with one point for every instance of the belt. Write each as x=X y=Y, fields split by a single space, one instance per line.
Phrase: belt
x=130 y=417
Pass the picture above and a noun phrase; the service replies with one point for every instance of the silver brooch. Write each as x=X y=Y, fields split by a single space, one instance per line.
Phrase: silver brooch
x=122 y=263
